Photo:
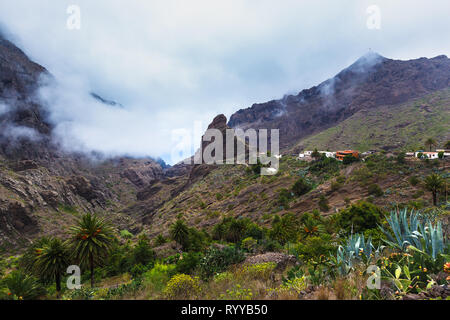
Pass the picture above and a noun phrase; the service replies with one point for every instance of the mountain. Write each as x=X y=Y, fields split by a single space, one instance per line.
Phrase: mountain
x=404 y=126
x=43 y=188
x=371 y=82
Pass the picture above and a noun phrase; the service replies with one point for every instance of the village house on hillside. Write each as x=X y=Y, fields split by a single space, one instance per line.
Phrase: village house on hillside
x=446 y=152
x=429 y=155
x=340 y=155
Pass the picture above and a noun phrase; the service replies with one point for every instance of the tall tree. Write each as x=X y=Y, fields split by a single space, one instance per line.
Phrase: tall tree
x=430 y=142
x=52 y=261
x=434 y=183
x=91 y=240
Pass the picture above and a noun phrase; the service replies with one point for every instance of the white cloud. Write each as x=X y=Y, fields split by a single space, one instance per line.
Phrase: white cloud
x=172 y=62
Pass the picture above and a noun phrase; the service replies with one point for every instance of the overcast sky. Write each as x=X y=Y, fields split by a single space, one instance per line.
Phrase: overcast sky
x=171 y=63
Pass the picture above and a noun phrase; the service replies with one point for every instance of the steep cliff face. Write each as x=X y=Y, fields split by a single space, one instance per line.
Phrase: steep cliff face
x=370 y=82
x=42 y=188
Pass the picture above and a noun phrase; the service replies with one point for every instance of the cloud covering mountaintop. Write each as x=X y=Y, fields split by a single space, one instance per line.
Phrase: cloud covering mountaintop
x=171 y=63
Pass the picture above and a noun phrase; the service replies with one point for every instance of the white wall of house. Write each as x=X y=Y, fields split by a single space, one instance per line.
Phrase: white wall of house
x=429 y=155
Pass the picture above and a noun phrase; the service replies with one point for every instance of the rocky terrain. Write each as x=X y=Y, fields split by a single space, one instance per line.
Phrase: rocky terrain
x=43 y=189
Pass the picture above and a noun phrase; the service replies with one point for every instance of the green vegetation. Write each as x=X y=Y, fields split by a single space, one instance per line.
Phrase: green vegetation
x=334 y=220
x=406 y=126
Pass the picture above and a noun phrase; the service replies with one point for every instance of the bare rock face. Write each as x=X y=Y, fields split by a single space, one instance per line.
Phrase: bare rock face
x=142 y=172
x=16 y=218
x=23 y=165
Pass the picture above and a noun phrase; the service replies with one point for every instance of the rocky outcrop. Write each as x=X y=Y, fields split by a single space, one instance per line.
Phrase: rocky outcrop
x=282 y=260
x=16 y=219
x=435 y=292
x=142 y=172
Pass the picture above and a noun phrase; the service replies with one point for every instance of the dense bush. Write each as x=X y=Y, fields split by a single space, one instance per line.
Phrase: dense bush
x=234 y=230
x=285 y=229
x=158 y=276
x=188 y=262
x=284 y=197
x=348 y=159
x=23 y=286
x=323 y=204
x=375 y=190
x=325 y=165
x=190 y=239
x=414 y=180
x=182 y=286
x=142 y=253
x=259 y=271
x=217 y=260
x=313 y=247
x=301 y=187
x=359 y=217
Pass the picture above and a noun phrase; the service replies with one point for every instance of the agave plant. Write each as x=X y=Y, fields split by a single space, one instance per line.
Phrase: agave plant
x=356 y=250
x=416 y=231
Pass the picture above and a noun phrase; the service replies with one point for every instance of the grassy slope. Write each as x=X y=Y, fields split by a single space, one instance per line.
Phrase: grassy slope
x=230 y=191
x=402 y=127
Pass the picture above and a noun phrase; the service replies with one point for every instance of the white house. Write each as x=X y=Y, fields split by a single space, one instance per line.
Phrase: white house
x=429 y=155
x=445 y=151
x=328 y=154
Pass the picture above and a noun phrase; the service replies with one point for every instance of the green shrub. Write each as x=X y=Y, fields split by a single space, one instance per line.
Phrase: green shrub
x=313 y=247
x=218 y=260
x=323 y=204
x=325 y=166
x=301 y=187
x=23 y=286
x=375 y=190
x=249 y=244
x=359 y=217
x=126 y=234
x=348 y=159
x=159 y=240
x=158 y=276
x=234 y=230
x=137 y=270
x=284 y=197
x=142 y=253
x=182 y=286
x=188 y=262
x=259 y=271
x=414 y=180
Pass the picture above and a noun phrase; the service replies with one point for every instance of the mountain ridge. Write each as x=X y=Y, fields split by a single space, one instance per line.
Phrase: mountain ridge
x=382 y=83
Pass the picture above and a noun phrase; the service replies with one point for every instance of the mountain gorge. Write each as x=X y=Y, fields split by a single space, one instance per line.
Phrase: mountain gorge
x=43 y=188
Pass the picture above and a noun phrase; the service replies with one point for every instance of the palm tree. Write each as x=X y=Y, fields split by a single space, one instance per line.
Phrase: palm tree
x=52 y=261
x=434 y=183
x=180 y=233
x=430 y=142
x=91 y=240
